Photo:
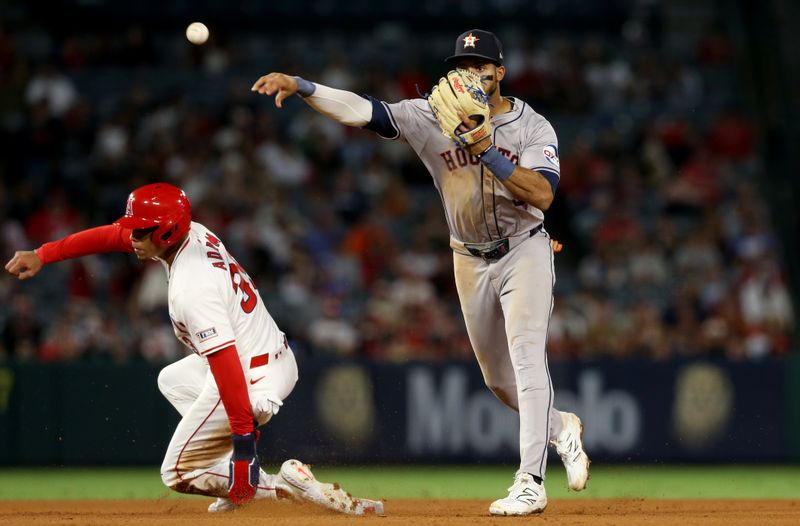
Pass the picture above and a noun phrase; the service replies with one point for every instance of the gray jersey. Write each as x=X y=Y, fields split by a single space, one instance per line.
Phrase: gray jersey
x=506 y=296
x=478 y=207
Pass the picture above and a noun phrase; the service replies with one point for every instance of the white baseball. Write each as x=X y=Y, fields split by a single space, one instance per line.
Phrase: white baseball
x=197 y=33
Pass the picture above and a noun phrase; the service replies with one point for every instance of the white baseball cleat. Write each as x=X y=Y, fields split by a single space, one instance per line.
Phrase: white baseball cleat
x=297 y=481
x=221 y=505
x=569 y=445
x=525 y=497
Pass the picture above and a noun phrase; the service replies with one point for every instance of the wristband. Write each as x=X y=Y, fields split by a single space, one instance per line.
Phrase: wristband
x=305 y=88
x=501 y=167
x=484 y=151
x=244 y=446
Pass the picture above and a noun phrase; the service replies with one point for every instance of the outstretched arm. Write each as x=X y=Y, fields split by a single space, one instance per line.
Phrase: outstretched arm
x=110 y=238
x=342 y=106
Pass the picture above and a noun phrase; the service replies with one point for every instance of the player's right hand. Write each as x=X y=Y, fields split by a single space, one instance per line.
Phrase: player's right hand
x=244 y=469
x=277 y=84
x=25 y=264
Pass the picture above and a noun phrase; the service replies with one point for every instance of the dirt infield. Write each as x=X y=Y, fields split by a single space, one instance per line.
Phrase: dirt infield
x=595 y=512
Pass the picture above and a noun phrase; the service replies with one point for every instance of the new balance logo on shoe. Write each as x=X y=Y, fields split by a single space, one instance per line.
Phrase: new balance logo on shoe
x=528 y=496
x=525 y=497
x=569 y=446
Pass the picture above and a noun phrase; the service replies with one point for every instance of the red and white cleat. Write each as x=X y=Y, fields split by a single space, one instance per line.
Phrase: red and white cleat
x=297 y=481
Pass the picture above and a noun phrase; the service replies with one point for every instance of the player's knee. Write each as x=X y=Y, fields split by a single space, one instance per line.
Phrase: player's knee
x=533 y=378
x=164 y=380
x=170 y=466
x=169 y=476
x=167 y=379
x=173 y=480
x=182 y=486
x=530 y=366
x=506 y=393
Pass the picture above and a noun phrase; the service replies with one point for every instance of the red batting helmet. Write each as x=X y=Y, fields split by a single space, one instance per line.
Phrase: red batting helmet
x=159 y=205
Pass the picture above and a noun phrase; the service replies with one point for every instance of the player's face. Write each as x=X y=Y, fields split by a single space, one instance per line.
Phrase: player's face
x=490 y=74
x=142 y=243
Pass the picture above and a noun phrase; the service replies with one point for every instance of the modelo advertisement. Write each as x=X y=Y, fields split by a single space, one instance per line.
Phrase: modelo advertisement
x=347 y=412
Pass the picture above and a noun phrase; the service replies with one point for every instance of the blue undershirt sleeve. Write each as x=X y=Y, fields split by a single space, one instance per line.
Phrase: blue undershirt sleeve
x=551 y=177
x=382 y=121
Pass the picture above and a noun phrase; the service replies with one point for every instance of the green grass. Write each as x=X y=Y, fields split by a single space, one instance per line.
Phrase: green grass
x=484 y=482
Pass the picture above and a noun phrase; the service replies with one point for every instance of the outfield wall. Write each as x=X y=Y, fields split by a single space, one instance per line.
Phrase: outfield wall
x=634 y=411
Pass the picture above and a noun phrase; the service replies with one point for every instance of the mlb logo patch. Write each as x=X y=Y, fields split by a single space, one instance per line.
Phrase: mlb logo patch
x=551 y=154
x=206 y=334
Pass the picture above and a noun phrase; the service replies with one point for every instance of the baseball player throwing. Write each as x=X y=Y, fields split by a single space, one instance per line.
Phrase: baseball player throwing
x=495 y=164
x=241 y=368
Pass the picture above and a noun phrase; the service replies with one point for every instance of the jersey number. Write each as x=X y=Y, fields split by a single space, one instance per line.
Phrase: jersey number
x=241 y=280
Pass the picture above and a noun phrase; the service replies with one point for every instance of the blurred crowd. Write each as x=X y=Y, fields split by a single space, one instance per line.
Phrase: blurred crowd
x=669 y=249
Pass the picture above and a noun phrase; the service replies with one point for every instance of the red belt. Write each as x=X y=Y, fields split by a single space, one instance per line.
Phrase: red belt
x=263 y=359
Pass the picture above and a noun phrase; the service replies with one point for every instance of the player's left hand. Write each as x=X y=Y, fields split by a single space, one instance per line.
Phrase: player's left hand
x=25 y=264
x=244 y=469
x=460 y=92
x=468 y=124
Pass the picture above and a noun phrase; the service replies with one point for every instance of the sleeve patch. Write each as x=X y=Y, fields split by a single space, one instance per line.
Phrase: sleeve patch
x=551 y=154
x=206 y=334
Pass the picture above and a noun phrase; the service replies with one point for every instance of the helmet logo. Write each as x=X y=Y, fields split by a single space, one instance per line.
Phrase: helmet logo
x=469 y=41
x=129 y=206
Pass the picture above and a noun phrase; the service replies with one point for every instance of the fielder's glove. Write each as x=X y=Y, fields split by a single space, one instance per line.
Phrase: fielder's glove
x=461 y=90
x=244 y=468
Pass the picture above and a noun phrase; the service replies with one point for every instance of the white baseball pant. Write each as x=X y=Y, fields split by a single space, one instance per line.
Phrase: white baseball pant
x=198 y=455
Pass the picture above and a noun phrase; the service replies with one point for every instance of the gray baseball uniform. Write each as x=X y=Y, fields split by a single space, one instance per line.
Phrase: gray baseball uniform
x=503 y=257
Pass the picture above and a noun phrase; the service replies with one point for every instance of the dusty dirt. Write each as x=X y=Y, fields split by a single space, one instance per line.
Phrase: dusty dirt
x=595 y=512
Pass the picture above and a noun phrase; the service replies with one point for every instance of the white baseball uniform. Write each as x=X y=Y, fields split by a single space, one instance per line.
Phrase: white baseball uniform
x=214 y=304
x=506 y=302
